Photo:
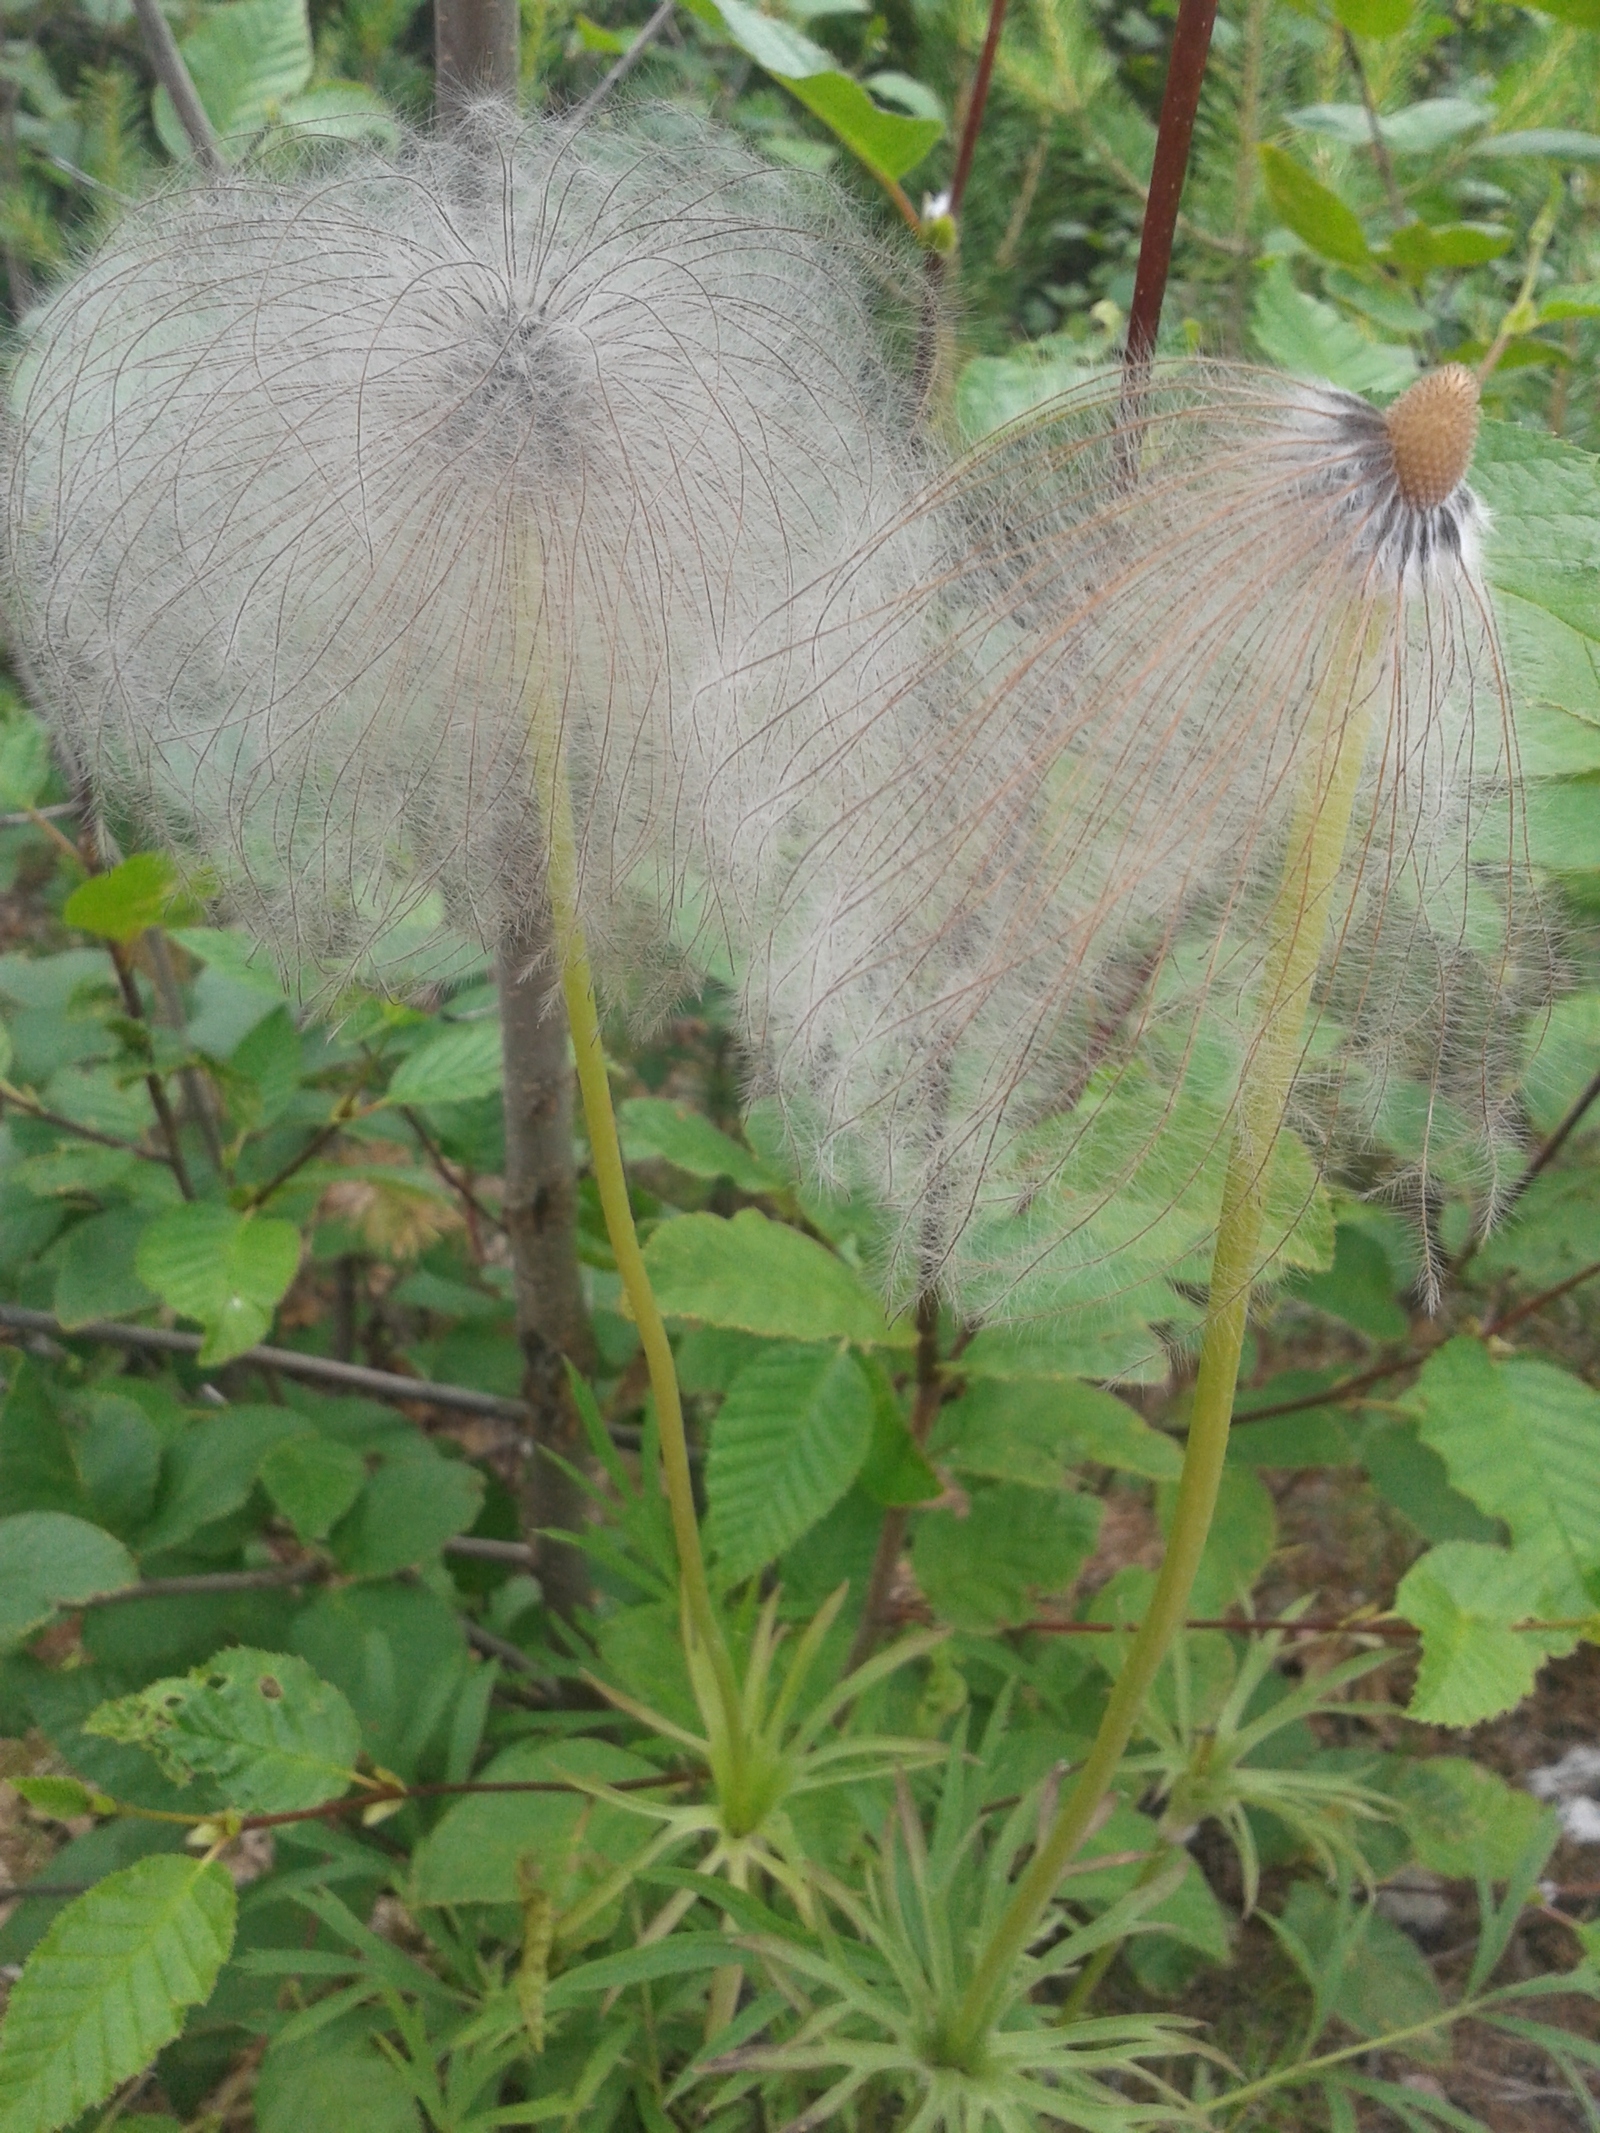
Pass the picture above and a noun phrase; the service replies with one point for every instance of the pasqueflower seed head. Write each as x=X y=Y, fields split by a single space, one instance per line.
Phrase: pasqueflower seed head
x=333 y=500
x=1012 y=989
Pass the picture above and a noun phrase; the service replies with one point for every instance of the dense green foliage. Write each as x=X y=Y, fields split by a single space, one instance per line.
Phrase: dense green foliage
x=496 y=1869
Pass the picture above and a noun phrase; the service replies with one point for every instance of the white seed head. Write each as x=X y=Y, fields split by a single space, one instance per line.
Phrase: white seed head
x=1014 y=987
x=327 y=498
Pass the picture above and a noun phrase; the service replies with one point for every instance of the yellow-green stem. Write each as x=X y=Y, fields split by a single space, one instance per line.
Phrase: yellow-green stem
x=1334 y=747
x=594 y=1088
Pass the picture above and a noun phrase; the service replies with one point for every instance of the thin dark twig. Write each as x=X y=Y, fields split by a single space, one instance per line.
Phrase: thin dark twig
x=470 y=1545
x=493 y=1647
x=31 y=817
x=1191 y=43
x=976 y=102
x=167 y=63
x=198 y=1090
x=270 y=1578
x=1342 y=1389
x=892 y=1534
x=1250 y=1625
x=162 y=1107
x=381 y=1795
x=312 y=1369
x=1380 y=147
x=624 y=64
x=46 y=1117
x=448 y=1171
x=319 y=1140
x=1526 y=1309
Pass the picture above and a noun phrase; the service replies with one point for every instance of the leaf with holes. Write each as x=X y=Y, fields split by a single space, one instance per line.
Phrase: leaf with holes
x=275 y=1734
x=107 y=1987
x=790 y=1438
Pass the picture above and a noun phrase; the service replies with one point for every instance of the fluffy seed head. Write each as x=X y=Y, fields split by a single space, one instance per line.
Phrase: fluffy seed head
x=1012 y=985
x=330 y=502
x=1432 y=428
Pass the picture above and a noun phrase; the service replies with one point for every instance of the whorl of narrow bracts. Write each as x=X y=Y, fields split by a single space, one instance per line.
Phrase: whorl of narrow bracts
x=324 y=495
x=1012 y=990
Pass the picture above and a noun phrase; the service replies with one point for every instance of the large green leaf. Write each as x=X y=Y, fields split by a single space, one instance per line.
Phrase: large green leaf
x=451 y=1068
x=1312 y=339
x=225 y=1269
x=1318 y=217
x=765 y=1278
x=313 y=1481
x=982 y=1567
x=1032 y=1430
x=1464 y=1820
x=790 y=1438
x=247 y=59
x=264 y=1724
x=885 y=142
x=687 y=1140
x=95 y=1275
x=471 y=1854
x=212 y=1468
x=1521 y=1440
x=108 y=1985
x=47 y=1561
x=1466 y=1598
x=407 y=1512
x=121 y=904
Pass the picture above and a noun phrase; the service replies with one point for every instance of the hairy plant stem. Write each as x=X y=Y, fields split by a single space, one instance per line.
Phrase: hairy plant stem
x=1334 y=746
x=594 y=1088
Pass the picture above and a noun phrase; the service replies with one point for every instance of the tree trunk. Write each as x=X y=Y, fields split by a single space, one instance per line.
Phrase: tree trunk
x=474 y=53
x=541 y=1217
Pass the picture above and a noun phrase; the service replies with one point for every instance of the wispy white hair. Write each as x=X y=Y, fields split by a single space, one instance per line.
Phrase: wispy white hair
x=323 y=494
x=1012 y=988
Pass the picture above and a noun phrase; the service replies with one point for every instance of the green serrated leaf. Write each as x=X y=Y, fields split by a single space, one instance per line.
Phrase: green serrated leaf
x=983 y=1568
x=210 y=1470
x=407 y=1512
x=455 y=1067
x=313 y=1481
x=122 y=904
x=1465 y=1597
x=225 y=1269
x=49 y=1560
x=247 y=59
x=1521 y=1440
x=275 y=1735
x=108 y=1986
x=95 y=1275
x=765 y=1278
x=1032 y=1430
x=788 y=1441
x=59 y=1797
x=1464 y=1820
x=1318 y=217
x=675 y=1134
x=1313 y=340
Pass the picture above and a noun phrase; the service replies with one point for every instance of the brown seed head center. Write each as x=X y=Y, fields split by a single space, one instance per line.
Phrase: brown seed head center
x=1433 y=428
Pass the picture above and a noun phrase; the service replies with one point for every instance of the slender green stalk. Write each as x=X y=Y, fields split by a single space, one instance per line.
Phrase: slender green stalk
x=594 y=1087
x=1335 y=746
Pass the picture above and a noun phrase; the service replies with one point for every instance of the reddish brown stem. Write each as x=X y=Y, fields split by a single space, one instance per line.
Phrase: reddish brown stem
x=972 y=126
x=1191 y=43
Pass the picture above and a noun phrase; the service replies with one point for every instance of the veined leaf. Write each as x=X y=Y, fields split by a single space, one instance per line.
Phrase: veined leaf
x=790 y=1438
x=1465 y=1598
x=1318 y=217
x=121 y=904
x=108 y=1985
x=48 y=1560
x=765 y=1278
x=225 y=1269
x=265 y=1724
x=1521 y=1440
x=689 y=1142
x=452 y=1068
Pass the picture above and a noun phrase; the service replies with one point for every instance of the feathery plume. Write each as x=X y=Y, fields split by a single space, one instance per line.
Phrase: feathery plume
x=1009 y=988
x=325 y=494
